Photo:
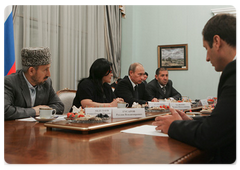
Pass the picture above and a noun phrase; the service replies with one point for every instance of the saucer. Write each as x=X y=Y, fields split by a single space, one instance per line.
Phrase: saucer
x=44 y=119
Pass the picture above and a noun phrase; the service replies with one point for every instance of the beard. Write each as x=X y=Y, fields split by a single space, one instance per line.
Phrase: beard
x=37 y=82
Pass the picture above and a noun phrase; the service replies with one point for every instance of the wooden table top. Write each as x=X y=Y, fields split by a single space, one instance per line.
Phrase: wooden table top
x=32 y=143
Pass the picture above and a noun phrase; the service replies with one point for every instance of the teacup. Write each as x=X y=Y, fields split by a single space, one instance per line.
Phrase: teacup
x=122 y=105
x=46 y=113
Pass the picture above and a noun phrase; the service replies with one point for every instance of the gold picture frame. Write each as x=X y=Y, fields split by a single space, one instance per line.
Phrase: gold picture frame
x=173 y=57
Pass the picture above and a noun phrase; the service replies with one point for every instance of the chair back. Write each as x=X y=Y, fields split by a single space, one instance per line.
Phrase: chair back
x=66 y=96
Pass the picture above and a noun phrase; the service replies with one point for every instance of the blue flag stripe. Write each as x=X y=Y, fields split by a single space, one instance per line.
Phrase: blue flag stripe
x=9 y=51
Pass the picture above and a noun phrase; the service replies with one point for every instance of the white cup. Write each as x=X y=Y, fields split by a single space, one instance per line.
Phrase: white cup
x=122 y=105
x=46 y=113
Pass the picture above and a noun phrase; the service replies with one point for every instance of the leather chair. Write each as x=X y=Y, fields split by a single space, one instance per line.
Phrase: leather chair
x=66 y=96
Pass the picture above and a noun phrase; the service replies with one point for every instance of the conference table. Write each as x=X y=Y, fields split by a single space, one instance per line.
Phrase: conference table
x=36 y=143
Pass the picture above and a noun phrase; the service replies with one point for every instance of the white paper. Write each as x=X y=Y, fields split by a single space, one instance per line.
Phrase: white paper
x=157 y=104
x=30 y=119
x=204 y=102
x=60 y=117
x=145 y=130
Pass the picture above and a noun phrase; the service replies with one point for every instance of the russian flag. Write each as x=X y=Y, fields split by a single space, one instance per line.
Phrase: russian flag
x=9 y=51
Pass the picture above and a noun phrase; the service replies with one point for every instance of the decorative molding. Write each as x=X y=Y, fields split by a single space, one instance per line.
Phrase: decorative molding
x=229 y=10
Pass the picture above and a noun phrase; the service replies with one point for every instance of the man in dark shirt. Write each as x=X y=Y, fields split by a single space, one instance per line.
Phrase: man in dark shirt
x=161 y=87
x=145 y=78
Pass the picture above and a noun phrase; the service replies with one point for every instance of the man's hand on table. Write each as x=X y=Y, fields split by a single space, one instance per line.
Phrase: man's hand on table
x=163 y=122
x=154 y=100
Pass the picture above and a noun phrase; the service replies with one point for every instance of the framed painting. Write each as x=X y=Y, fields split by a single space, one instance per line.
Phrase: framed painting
x=173 y=57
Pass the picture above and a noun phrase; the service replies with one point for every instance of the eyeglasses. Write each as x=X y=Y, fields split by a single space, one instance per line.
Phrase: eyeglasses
x=108 y=72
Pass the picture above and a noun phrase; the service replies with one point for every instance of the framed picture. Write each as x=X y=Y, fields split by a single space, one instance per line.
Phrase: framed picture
x=173 y=57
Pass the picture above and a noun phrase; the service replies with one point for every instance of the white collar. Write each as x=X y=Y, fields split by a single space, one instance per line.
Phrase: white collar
x=235 y=58
x=161 y=85
x=133 y=84
x=28 y=83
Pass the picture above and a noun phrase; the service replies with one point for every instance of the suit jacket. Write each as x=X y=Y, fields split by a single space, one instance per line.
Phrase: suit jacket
x=218 y=131
x=124 y=90
x=17 y=100
x=155 y=90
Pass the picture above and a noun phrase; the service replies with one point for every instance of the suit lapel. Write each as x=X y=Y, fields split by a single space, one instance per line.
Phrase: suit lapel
x=130 y=84
x=168 y=90
x=25 y=90
x=159 y=90
x=39 y=95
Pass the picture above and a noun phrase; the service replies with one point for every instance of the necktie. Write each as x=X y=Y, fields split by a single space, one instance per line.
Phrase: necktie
x=136 y=92
x=164 y=90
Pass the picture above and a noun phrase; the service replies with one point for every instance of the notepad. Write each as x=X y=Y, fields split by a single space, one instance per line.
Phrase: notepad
x=145 y=130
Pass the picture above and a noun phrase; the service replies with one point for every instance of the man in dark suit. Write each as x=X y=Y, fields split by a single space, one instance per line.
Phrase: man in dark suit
x=30 y=88
x=131 y=88
x=161 y=87
x=145 y=78
x=216 y=132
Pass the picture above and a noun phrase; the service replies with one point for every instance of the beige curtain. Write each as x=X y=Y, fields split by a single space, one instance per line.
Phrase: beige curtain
x=74 y=34
x=113 y=38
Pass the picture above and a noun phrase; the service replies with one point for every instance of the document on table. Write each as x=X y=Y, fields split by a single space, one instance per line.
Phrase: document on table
x=145 y=130
x=31 y=119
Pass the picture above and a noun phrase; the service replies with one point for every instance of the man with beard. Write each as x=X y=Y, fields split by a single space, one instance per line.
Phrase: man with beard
x=30 y=88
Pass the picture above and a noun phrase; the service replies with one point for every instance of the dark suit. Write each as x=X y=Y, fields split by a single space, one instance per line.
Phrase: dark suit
x=124 y=90
x=218 y=131
x=17 y=100
x=155 y=90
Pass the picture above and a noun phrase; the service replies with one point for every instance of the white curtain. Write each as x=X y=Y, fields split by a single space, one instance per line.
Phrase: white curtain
x=74 y=34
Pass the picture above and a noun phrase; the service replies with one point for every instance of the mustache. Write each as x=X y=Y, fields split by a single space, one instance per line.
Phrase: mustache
x=46 y=77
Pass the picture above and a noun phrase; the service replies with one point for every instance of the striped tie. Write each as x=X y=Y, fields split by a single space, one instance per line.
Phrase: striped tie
x=164 y=90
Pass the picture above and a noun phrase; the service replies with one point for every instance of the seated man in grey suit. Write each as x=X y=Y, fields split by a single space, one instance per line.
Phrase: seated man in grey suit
x=30 y=88
x=131 y=88
x=161 y=87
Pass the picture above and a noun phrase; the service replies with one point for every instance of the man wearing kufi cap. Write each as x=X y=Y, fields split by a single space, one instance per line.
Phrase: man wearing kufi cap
x=30 y=88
